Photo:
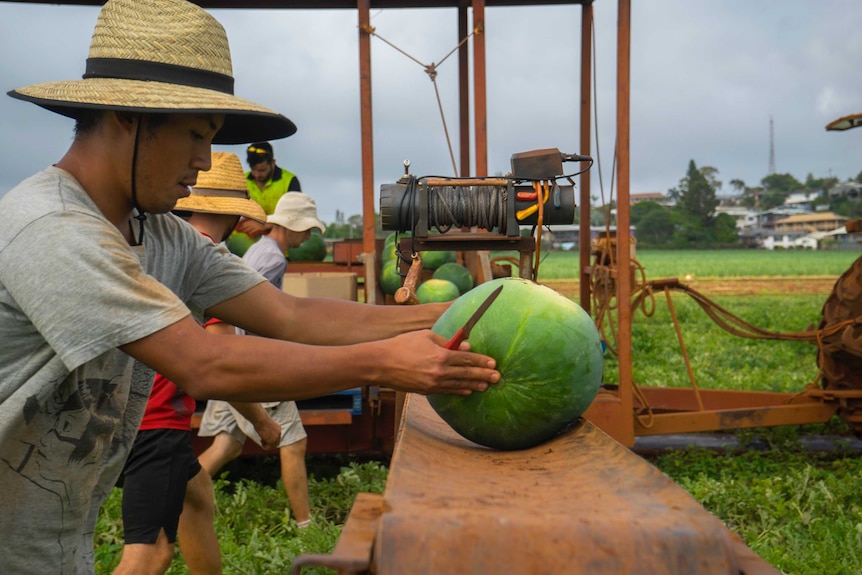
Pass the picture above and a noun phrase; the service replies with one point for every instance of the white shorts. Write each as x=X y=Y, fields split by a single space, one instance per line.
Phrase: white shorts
x=220 y=417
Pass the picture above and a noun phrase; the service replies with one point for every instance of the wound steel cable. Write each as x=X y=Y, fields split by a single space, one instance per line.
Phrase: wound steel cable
x=456 y=206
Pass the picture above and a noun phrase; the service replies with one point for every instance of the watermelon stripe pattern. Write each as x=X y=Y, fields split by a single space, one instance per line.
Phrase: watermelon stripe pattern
x=548 y=352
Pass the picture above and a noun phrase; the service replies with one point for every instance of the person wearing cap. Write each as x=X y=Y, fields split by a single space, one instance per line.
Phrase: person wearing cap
x=294 y=217
x=101 y=286
x=267 y=183
x=162 y=478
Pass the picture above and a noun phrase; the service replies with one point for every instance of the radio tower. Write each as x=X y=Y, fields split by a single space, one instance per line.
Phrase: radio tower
x=771 y=148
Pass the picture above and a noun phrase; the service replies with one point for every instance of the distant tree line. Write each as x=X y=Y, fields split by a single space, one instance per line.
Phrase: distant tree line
x=345 y=228
x=694 y=222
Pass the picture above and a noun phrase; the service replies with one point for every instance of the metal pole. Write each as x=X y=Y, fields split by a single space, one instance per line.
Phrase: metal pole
x=480 y=88
x=584 y=235
x=367 y=137
x=624 y=287
x=464 y=90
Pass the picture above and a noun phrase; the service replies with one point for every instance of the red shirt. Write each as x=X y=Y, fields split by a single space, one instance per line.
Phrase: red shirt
x=169 y=407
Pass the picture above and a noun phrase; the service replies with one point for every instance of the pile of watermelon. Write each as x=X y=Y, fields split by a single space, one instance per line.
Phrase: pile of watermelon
x=311 y=250
x=548 y=352
x=449 y=280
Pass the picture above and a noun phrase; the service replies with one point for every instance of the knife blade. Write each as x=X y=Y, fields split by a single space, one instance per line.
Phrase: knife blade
x=464 y=331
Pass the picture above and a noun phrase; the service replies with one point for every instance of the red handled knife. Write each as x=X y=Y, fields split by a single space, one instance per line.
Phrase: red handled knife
x=464 y=332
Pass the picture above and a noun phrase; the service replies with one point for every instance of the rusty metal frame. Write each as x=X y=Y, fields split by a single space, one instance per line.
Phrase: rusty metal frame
x=617 y=412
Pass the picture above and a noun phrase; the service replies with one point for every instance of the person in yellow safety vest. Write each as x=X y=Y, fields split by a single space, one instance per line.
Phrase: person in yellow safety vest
x=266 y=183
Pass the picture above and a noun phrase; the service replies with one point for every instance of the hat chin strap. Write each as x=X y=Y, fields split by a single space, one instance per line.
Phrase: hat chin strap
x=140 y=216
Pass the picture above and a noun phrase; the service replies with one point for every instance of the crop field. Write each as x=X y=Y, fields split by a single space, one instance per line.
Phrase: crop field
x=715 y=263
x=800 y=510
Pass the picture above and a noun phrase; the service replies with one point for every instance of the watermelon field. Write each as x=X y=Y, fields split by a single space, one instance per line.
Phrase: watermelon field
x=800 y=510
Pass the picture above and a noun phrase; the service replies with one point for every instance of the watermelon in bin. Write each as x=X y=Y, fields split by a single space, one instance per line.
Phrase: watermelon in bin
x=548 y=352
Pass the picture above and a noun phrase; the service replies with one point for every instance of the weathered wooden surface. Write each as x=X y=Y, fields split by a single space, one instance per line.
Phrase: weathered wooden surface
x=581 y=503
x=352 y=553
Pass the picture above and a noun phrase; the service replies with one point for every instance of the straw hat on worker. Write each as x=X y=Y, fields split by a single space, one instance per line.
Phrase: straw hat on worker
x=160 y=56
x=222 y=190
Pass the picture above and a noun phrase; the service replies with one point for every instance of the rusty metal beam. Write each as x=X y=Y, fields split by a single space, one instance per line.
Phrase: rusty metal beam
x=464 y=90
x=373 y=293
x=727 y=419
x=352 y=553
x=586 y=110
x=367 y=125
x=566 y=506
x=325 y=4
x=624 y=287
x=685 y=398
x=480 y=89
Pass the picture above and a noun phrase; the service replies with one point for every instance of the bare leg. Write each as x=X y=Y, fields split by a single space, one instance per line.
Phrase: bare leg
x=295 y=478
x=223 y=450
x=196 y=533
x=146 y=559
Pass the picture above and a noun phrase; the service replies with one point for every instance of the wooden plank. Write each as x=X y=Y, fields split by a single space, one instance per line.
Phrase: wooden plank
x=352 y=553
x=580 y=503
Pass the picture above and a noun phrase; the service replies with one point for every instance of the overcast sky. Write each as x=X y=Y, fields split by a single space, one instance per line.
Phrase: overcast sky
x=706 y=77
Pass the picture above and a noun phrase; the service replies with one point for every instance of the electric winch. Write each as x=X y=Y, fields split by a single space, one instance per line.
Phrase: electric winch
x=530 y=195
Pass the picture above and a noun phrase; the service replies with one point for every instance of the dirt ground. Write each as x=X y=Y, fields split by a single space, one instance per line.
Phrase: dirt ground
x=815 y=285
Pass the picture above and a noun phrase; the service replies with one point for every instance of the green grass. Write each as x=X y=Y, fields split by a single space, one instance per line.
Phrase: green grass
x=800 y=513
x=721 y=360
x=714 y=263
x=254 y=531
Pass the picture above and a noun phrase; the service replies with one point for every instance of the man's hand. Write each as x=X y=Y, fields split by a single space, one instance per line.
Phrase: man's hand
x=269 y=432
x=420 y=363
x=252 y=228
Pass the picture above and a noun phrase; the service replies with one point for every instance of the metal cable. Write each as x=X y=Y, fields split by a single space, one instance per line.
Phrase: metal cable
x=456 y=206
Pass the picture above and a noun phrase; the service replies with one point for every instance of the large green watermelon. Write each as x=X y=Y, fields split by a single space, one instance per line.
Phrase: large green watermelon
x=390 y=281
x=433 y=259
x=238 y=243
x=548 y=352
x=311 y=250
x=457 y=274
x=390 y=247
x=436 y=290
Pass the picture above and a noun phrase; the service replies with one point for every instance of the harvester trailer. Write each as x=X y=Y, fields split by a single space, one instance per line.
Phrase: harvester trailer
x=580 y=503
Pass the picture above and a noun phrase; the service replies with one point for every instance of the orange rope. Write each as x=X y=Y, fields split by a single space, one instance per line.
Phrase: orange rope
x=643 y=297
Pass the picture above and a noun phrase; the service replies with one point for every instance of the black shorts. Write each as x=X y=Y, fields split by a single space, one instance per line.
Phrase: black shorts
x=157 y=470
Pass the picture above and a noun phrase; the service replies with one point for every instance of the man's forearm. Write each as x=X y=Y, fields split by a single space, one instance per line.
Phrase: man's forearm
x=346 y=322
x=269 y=312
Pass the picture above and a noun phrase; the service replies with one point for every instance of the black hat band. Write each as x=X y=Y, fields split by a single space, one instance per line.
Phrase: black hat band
x=123 y=69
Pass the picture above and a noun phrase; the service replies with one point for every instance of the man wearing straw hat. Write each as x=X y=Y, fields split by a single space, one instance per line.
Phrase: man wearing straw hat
x=162 y=477
x=95 y=273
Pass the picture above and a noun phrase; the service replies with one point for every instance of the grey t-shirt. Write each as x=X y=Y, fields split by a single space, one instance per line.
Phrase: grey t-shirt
x=71 y=291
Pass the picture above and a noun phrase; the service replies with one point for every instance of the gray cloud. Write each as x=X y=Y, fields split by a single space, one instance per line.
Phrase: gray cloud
x=706 y=77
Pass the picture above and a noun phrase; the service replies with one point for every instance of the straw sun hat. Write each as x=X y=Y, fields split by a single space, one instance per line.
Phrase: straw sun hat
x=222 y=190
x=160 y=56
x=845 y=122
